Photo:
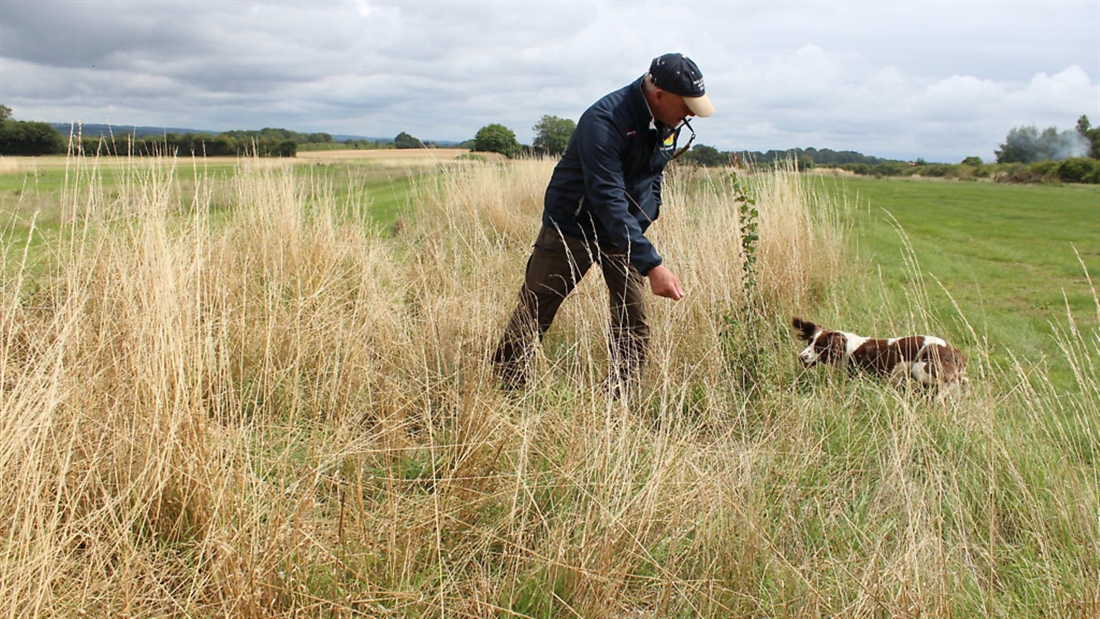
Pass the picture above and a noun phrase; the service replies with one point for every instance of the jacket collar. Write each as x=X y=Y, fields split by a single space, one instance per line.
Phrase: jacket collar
x=643 y=115
x=642 y=112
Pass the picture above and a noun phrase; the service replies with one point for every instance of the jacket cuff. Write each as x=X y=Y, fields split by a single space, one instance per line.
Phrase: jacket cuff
x=644 y=269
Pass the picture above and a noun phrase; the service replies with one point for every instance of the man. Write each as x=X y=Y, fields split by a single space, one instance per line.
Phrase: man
x=603 y=195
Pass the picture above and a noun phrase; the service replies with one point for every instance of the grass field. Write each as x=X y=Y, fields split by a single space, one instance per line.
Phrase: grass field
x=34 y=190
x=255 y=394
x=1008 y=259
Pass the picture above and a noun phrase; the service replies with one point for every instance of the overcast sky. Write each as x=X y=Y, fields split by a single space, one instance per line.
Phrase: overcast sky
x=935 y=80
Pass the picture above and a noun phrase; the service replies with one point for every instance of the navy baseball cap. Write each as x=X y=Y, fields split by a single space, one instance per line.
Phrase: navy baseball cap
x=678 y=74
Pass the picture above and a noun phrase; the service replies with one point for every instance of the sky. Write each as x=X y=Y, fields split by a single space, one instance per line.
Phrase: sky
x=939 y=81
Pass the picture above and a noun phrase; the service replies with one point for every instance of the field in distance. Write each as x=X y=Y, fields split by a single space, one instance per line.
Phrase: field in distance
x=387 y=156
x=430 y=155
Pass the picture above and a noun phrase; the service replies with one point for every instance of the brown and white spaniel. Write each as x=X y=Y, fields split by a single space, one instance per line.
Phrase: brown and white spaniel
x=927 y=359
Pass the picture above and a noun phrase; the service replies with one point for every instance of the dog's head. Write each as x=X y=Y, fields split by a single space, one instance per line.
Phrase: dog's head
x=825 y=346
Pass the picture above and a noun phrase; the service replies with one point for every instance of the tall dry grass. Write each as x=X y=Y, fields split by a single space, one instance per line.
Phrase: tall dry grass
x=282 y=413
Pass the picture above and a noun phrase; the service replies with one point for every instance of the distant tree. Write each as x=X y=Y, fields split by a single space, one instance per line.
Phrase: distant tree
x=706 y=156
x=496 y=138
x=972 y=161
x=552 y=134
x=277 y=135
x=819 y=157
x=1019 y=146
x=286 y=148
x=1027 y=145
x=29 y=138
x=1091 y=135
x=1083 y=124
x=404 y=140
x=263 y=135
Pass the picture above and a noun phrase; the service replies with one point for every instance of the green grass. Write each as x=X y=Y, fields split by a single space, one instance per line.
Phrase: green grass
x=33 y=198
x=1006 y=254
x=381 y=194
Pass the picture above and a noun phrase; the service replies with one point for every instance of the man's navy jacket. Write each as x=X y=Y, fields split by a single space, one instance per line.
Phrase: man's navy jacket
x=607 y=186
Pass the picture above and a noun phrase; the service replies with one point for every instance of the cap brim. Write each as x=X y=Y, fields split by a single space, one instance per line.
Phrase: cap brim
x=700 y=106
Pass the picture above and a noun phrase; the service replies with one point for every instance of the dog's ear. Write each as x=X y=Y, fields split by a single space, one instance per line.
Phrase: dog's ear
x=806 y=328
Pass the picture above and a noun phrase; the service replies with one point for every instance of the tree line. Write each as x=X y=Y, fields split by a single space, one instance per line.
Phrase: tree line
x=27 y=138
x=551 y=137
x=1027 y=155
x=1028 y=145
x=39 y=138
x=228 y=144
x=267 y=142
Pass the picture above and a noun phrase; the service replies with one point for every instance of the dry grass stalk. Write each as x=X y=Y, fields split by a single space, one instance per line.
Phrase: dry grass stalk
x=282 y=413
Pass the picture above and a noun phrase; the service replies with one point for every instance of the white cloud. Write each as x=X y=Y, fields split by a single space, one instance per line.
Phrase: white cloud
x=894 y=79
x=959 y=98
x=1056 y=95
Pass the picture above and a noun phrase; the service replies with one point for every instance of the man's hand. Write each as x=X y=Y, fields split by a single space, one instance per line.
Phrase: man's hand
x=664 y=284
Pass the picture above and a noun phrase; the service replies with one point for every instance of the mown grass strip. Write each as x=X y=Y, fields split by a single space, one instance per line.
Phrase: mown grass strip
x=1006 y=254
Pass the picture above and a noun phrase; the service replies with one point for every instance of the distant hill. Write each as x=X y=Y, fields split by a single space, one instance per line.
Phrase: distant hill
x=98 y=131
x=357 y=138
